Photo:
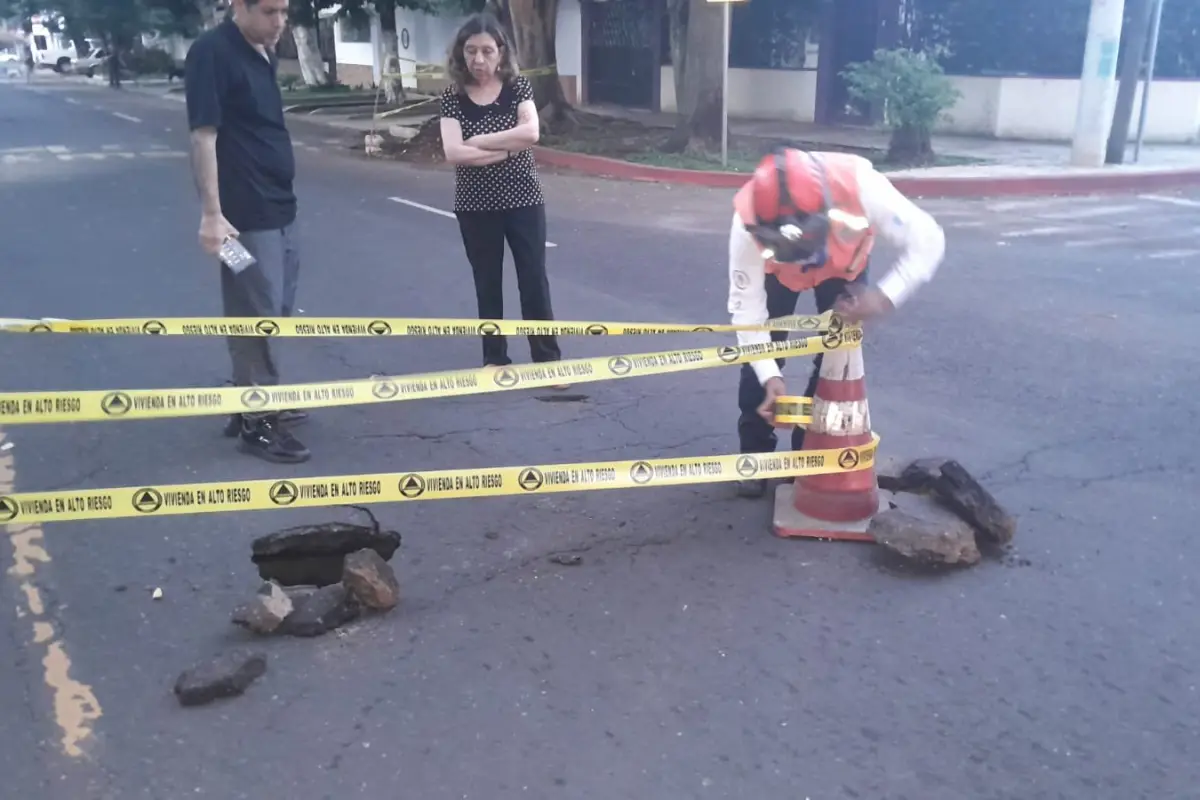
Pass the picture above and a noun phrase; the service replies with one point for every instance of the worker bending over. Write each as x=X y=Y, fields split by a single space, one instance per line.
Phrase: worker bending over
x=809 y=221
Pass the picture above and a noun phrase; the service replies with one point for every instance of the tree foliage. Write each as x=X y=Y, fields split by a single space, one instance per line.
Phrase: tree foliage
x=913 y=91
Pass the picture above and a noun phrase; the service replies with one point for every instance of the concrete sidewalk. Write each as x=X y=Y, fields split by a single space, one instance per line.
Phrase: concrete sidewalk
x=1010 y=153
x=1011 y=168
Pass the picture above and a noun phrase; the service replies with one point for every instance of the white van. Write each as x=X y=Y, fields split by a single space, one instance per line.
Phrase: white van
x=50 y=48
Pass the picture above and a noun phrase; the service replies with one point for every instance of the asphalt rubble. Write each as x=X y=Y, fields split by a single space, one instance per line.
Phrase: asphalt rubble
x=316 y=579
x=320 y=577
x=939 y=515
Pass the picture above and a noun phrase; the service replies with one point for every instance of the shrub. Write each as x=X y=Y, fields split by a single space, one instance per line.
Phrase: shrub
x=914 y=93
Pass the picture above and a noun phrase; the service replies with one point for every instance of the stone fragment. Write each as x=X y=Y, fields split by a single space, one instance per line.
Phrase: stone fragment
x=887 y=473
x=266 y=611
x=926 y=538
x=321 y=611
x=920 y=475
x=227 y=675
x=315 y=554
x=371 y=580
x=975 y=504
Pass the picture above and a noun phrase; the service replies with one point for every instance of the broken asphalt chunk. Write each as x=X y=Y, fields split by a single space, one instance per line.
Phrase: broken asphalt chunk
x=371 y=580
x=315 y=554
x=227 y=675
x=266 y=611
x=975 y=504
x=926 y=538
x=916 y=476
x=321 y=611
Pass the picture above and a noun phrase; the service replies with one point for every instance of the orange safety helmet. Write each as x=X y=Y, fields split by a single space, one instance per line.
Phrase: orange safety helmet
x=791 y=204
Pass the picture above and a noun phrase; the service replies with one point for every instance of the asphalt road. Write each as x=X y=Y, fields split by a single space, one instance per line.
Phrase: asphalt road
x=690 y=654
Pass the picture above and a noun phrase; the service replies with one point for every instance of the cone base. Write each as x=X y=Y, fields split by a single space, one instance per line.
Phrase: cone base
x=837 y=506
x=791 y=524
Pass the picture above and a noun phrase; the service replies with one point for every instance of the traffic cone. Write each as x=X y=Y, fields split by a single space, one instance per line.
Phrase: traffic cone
x=838 y=505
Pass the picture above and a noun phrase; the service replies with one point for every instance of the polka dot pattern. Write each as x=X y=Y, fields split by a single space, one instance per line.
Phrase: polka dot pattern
x=513 y=183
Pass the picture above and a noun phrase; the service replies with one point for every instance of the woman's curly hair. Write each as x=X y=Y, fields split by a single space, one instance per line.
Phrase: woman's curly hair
x=483 y=22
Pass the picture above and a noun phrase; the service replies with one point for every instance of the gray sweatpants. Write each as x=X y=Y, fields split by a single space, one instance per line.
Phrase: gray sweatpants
x=251 y=293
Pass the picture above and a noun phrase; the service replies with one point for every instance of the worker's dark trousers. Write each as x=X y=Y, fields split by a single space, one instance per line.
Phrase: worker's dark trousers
x=755 y=435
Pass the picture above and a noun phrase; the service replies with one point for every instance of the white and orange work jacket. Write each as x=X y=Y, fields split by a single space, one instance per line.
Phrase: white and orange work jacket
x=859 y=190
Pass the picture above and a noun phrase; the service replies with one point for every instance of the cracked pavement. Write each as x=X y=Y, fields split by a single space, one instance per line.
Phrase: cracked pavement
x=689 y=654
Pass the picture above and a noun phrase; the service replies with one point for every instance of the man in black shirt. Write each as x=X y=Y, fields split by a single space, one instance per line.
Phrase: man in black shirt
x=244 y=166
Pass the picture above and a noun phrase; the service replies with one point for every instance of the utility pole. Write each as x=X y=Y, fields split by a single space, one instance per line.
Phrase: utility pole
x=1151 y=58
x=1093 y=117
x=1134 y=52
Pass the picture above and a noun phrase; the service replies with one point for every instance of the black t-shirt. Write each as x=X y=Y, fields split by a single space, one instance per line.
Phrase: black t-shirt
x=512 y=183
x=232 y=87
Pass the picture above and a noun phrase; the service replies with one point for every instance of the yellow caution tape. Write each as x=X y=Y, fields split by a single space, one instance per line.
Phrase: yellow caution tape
x=396 y=487
x=398 y=326
x=25 y=408
x=437 y=71
x=791 y=410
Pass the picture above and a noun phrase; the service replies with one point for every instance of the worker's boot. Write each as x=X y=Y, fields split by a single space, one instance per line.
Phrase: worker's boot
x=752 y=488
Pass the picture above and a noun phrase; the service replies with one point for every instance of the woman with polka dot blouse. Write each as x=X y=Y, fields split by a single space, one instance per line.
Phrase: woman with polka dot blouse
x=489 y=125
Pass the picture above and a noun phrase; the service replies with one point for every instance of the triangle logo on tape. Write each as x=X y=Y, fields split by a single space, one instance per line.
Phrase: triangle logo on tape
x=530 y=480
x=147 y=501
x=412 y=486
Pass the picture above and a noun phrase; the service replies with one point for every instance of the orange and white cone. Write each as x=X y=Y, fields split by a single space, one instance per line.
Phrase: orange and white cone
x=837 y=505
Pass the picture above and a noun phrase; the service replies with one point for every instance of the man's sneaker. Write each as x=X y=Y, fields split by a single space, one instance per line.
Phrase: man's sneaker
x=752 y=488
x=287 y=417
x=270 y=441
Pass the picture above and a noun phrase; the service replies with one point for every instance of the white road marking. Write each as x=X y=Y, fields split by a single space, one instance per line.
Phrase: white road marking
x=1087 y=213
x=1100 y=242
x=1175 y=201
x=1014 y=205
x=966 y=224
x=440 y=212
x=1048 y=231
x=57 y=148
x=119 y=115
x=423 y=207
x=1165 y=254
x=110 y=147
x=13 y=158
x=73 y=101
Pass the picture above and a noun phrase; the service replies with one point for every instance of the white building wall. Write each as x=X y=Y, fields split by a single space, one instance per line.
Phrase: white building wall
x=429 y=38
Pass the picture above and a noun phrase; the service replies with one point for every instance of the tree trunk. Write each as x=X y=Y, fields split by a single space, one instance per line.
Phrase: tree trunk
x=910 y=146
x=393 y=87
x=677 y=9
x=699 y=127
x=534 y=25
x=308 y=53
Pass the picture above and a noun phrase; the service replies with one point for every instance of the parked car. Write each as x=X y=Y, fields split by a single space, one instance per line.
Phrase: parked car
x=93 y=62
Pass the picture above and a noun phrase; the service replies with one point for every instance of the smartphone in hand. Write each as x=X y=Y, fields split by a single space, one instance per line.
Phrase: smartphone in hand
x=235 y=256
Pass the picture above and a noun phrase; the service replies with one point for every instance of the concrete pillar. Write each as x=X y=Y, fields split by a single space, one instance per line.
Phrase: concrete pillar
x=1097 y=90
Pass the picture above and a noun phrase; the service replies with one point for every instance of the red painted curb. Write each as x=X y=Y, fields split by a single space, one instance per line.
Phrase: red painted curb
x=615 y=168
x=1046 y=184
x=988 y=186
